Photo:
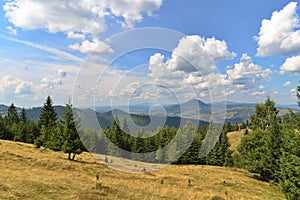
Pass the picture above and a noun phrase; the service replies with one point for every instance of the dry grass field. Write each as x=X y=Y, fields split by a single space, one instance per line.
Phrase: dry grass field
x=235 y=139
x=29 y=173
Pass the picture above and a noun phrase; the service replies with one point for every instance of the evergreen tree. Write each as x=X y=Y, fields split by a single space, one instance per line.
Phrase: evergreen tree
x=46 y=123
x=298 y=95
x=23 y=117
x=289 y=163
x=72 y=144
x=2 y=128
x=221 y=154
x=12 y=115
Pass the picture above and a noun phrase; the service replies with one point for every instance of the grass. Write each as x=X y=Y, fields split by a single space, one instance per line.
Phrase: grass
x=29 y=173
x=235 y=139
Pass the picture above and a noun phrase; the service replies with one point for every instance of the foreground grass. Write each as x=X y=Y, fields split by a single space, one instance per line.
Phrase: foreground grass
x=29 y=173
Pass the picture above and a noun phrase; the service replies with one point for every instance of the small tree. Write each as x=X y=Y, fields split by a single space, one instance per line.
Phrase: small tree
x=72 y=143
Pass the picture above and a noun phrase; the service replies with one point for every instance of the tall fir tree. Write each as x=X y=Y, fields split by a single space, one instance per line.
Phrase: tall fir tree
x=47 y=122
x=71 y=144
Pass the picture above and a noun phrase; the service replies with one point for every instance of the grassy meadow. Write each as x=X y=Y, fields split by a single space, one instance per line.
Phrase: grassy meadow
x=30 y=173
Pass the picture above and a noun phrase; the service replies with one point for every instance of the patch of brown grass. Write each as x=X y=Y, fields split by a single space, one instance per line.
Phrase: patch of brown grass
x=29 y=173
x=235 y=139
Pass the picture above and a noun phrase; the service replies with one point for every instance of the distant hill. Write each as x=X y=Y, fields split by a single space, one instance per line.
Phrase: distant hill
x=143 y=121
x=195 y=110
x=34 y=113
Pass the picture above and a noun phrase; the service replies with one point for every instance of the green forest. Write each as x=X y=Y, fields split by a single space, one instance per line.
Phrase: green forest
x=269 y=147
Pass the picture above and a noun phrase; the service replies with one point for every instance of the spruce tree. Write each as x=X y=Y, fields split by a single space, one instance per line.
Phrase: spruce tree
x=72 y=144
x=47 y=122
x=23 y=117
x=12 y=115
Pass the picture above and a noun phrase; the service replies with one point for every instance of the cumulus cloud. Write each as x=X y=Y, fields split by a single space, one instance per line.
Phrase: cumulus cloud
x=195 y=53
x=96 y=46
x=291 y=65
x=246 y=74
x=280 y=34
x=62 y=73
x=286 y=84
x=24 y=88
x=193 y=58
x=78 y=19
x=10 y=84
x=48 y=83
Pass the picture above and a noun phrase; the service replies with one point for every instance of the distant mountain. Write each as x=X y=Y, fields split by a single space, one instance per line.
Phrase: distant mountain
x=195 y=110
x=146 y=122
x=34 y=113
x=3 y=108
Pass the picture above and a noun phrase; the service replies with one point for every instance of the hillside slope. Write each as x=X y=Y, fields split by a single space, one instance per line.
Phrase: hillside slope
x=29 y=173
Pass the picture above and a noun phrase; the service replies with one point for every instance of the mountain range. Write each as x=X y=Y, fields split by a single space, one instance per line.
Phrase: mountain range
x=172 y=115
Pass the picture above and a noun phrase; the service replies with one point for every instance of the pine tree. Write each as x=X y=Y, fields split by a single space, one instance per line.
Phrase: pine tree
x=72 y=144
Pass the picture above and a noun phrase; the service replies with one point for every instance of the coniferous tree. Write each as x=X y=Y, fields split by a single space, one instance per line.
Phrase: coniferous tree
x=23 y=117
x=289 y=165
x=298 y=95
x=72 y=144
x=46 y=123
x=12 y=115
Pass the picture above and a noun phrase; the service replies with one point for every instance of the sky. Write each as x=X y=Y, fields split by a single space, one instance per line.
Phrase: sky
x=99 y=52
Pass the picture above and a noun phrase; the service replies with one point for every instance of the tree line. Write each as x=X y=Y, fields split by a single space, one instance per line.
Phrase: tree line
x=49 y=132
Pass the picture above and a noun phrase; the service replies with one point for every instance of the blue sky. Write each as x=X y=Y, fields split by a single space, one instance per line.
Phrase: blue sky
x=254 y=50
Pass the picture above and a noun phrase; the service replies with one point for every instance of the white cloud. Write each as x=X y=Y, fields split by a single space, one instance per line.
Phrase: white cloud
x=10 y=84
x=24 y=88
x=275 y=92
x=280 y=35
x=96 y=46
x=286 y=84
x=258 y=93
x=195 y=53
x=72 y=35
x=11 y=30
x=261 y=87
x=48 y=83
x=229 y=92
x=191 y=61
x=246 y=74
x=291 y=65
x=62 y=73
x=293 y=90
x=77 y=19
